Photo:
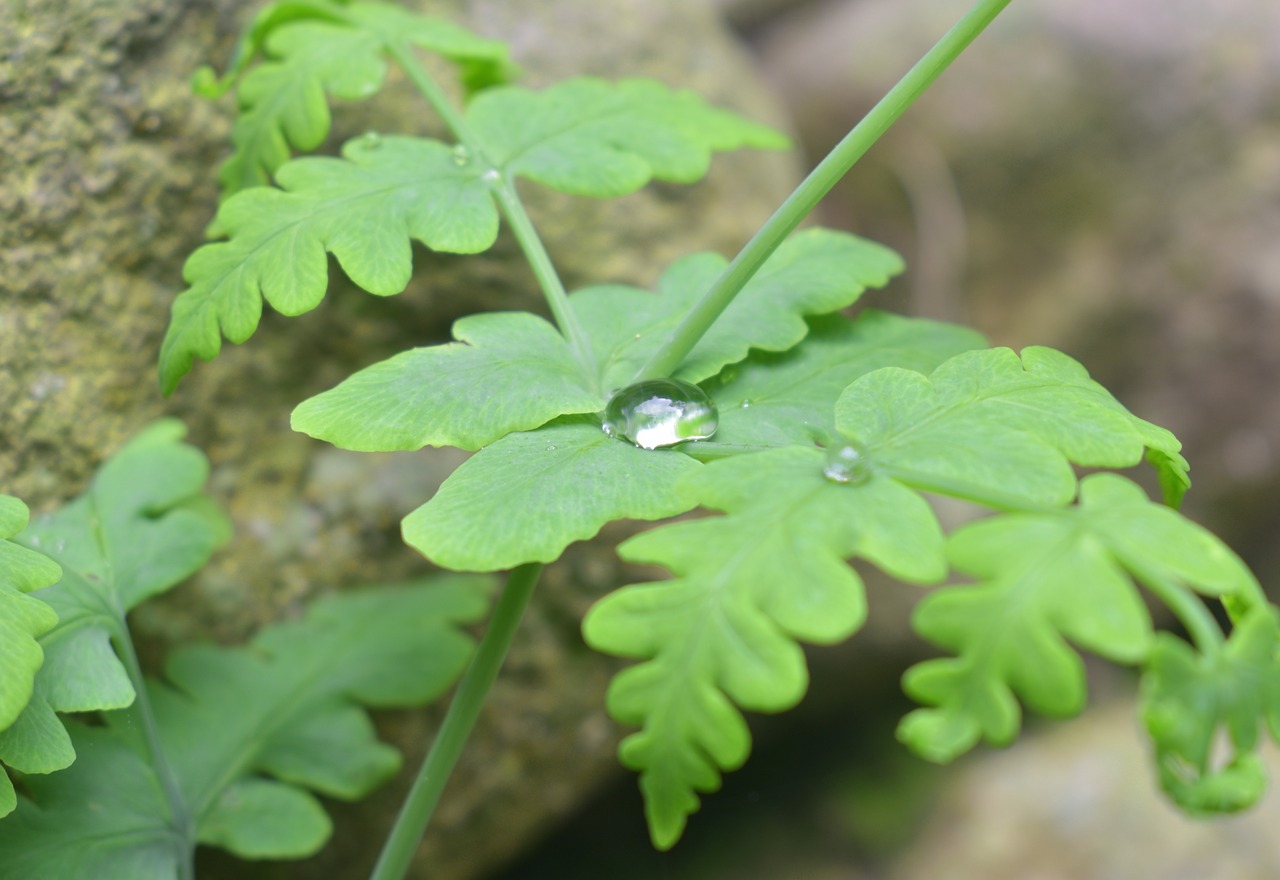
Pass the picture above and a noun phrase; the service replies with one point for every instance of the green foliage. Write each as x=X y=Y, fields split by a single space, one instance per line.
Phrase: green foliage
x=1189 y=698
x=790 y=397
x=23 y=620
x=991 y=422
x=983 y=425
x=428 y=396
x=315 y=49
x=224 y=749
x=1043 y=579
x=751 y=584
x=244 y=733
x=589 y=137
x=529 y=495
x=141 y=527
x=366 y=207
x=526 y=495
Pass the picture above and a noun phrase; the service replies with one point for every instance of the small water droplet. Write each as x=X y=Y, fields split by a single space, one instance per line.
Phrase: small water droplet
x=371 y=140
x=660 y=412
x=461 y=155
x=846 y=464
x=551 y=447
x=491 y=176
x=35 y=540
x=60 y=546
x=746 y=403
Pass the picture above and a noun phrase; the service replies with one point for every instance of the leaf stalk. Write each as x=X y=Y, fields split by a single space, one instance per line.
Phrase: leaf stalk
x=814 y=187
x=415 y=813
x=183 y=822
x=504 y=191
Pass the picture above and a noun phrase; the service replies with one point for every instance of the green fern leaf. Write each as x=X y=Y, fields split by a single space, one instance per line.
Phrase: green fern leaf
x=340 y=53
x=529 y=495
x=364 y=210
x=23 y=619
x=1046 y=578
x=139 y=529
x=585 y=136
x=508 y=371
x=247 y=731
x=750 y=586
x=470 y=393
x=991 y=423
x=813 y=272
x=1189 y=697
x=779 y=399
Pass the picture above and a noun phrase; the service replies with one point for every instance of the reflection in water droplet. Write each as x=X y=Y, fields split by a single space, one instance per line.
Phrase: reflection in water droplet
x=371 y=140
x=846 y=464
x=746 y=404
x=660 y=412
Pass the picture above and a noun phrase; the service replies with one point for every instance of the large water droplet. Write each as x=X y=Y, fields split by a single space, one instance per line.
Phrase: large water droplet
x=660 y=412
x=846 y=464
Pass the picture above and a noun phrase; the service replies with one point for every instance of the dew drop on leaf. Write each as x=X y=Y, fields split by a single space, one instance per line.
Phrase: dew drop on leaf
x=660 y=412
x=846 y=464
x=371 y=140
x=746 y=403
x=461 y=155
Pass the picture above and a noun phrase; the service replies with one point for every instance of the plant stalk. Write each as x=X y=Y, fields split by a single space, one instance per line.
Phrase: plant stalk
x=183 y=822
x=406 y=834
x=504 y=190
x=811 y=191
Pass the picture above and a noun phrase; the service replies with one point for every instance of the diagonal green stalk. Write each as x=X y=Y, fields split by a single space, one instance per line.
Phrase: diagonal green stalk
x=504 y=191
x=415 y=813
x=811 y=191
x=183 y=822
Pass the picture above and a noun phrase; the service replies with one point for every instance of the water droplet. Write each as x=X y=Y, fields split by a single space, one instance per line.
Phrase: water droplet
x=35 y=540
x=371 y=140
x=551 y=447
x=846 y=464
x=746 y=404
x=660 y=412
x=461 y=155
x=491 y=176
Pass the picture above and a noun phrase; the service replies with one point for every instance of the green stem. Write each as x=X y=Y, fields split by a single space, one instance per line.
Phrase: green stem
x=1191 y=612
x=806 y=197
x=504 y=191
x=410 y=825
x=552 y=287
x=183 y=824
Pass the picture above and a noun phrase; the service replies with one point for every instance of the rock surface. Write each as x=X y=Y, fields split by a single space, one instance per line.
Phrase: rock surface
x=1077 y=803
